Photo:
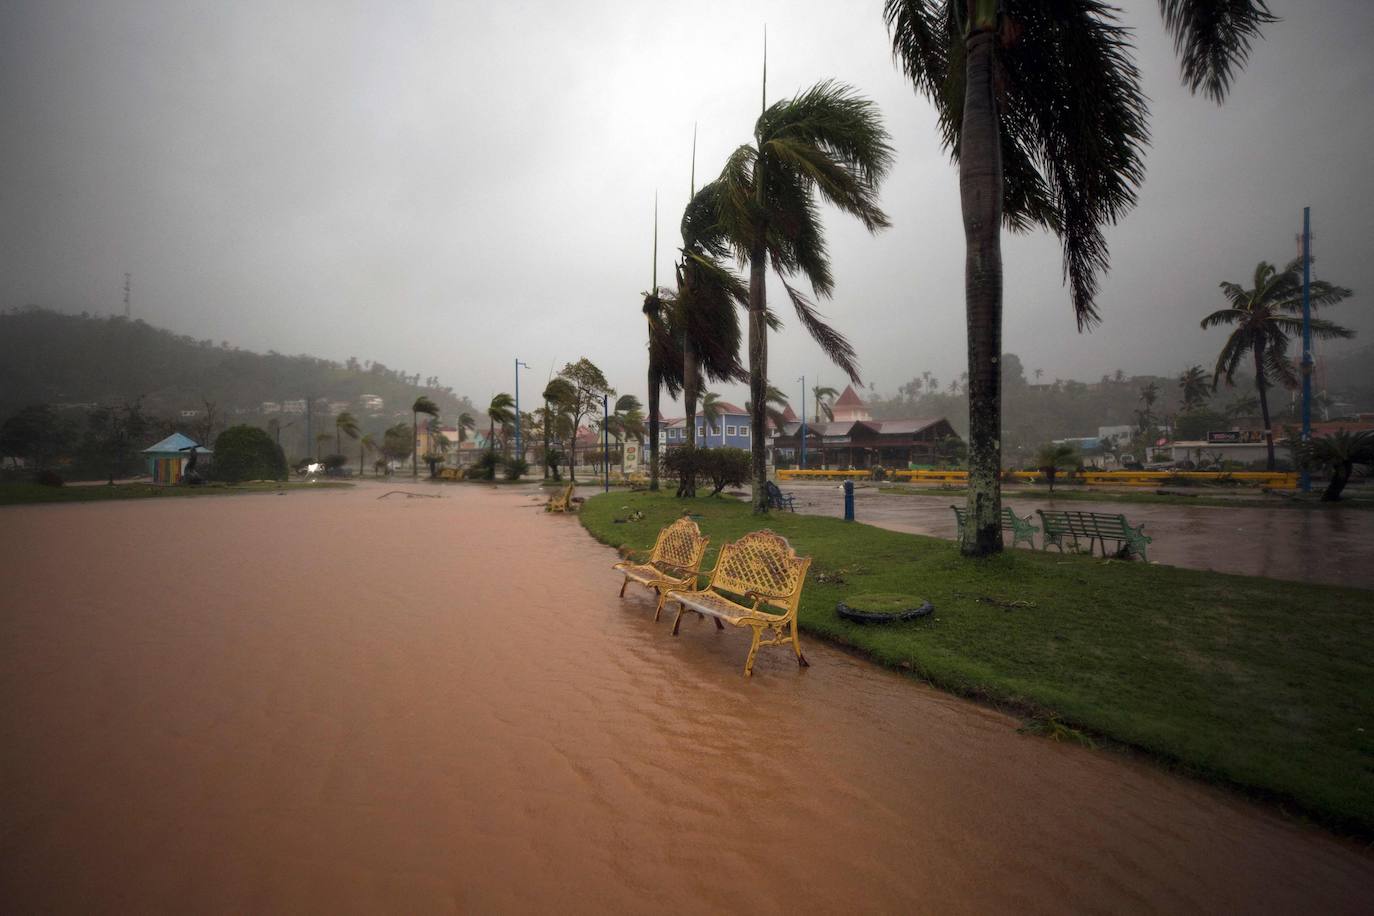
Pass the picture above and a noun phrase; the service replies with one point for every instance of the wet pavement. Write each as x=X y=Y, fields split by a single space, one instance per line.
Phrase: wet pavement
x=330 y=702
x=1329 y=545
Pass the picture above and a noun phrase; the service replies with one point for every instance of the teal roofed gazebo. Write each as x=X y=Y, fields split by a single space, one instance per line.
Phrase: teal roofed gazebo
x=167 y=458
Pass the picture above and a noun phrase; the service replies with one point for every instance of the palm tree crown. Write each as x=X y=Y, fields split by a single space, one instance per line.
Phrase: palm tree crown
x=500 y=411
x=1265 y=318
x=422 y=405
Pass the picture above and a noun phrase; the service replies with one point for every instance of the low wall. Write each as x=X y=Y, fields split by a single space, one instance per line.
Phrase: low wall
x=1271 y=480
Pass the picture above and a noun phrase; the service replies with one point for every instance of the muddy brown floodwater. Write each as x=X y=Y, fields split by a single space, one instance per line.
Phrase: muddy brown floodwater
x=327 y=702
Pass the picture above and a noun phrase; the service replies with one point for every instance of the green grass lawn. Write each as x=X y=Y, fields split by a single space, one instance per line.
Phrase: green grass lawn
x=1256 y=683
x=14 y=494
x=1204 y=497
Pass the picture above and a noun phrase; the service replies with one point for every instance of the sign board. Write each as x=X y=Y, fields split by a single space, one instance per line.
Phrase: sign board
x=630 y=457
x=1230 y=435
x=1236 y=436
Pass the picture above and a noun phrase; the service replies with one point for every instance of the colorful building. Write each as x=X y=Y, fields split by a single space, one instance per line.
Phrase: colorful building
x=728 y=430
x=167 y=459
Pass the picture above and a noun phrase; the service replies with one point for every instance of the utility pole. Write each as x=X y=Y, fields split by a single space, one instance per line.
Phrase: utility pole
x=519 y=450
x=1306 y=479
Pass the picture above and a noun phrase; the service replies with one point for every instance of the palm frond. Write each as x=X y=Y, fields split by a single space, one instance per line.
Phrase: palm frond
x=834 y=344
x=1212 y=39
x=1224 y=316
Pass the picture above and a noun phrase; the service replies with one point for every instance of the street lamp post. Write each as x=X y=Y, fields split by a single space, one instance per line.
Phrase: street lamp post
x=1306 y=479
x=519 y=450
x=803 y=423
x=606 y=440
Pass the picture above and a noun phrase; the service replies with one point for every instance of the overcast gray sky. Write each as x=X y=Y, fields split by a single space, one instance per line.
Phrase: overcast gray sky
x=446 y=186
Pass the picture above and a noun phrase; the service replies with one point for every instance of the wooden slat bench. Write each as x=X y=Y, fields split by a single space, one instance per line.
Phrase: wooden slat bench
x=761 y=568
x=1020 y=527
x=561 y=501
x=673 y=563
x=1095 y=527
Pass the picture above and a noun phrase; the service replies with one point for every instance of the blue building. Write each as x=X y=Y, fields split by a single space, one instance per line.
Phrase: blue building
x=730 y=429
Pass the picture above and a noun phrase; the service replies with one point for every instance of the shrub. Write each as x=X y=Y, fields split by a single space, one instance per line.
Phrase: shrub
x=487 y=463
x=247 y=453
x=334 y=465
x=515 y=468
x=48 y=478
x=878 y=472
x=727 y=467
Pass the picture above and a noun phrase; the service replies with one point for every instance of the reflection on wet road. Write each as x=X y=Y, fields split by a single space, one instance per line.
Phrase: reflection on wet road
x=327 y=702
x=1306 y=545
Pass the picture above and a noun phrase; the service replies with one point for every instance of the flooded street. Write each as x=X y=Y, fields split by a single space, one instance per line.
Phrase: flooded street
x=331 y=702
x=1329 y=544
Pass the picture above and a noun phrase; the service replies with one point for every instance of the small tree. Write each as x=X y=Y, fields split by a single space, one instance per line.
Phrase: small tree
x=247 y=453
x=397 y=444
x=1052 y=457
x=589 y=387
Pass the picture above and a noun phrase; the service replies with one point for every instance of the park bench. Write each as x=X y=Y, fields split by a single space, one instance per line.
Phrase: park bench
x=778 y=499
x=673 y=563
x=561 y=501
x=760 y=568
x=1021 y=528
x=1095 y=527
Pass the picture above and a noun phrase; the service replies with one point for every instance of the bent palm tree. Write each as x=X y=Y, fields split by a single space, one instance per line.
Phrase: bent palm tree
x=501 y=411
x=704 y=308
x=665 y=364
x=345 y=424
x=1337 y=453
x=367 y=444
x=422 y=405
x=823 y=397
x=1264 y=317
x=1041 y=106
x=827 y=140
x=1193 y=383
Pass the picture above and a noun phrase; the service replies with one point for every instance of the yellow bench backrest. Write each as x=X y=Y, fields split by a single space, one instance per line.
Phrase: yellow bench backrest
x=680 y=545
x=761 y=563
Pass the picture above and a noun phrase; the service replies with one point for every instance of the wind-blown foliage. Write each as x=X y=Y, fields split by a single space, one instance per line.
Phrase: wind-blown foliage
x=665 y=364
x=501 y=411
x=1338 y=454
x=825 y=143
x=1266 y=318
x=422 y=405
x=1212 y=39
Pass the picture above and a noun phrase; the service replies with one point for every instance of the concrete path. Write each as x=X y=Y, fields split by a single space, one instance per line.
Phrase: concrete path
x=329 y=702
x=1306 y=545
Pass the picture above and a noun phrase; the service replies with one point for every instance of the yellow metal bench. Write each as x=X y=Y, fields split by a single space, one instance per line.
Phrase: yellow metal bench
x=562 y=501
x=673 y=563
x=761 y=568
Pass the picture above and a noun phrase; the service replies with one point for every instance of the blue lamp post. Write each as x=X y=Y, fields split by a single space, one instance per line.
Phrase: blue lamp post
x=1306 y=480
x=606 y=440
x=519 y=450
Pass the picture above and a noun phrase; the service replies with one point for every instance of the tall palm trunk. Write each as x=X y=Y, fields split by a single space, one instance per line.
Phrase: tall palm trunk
x=1264 y=404
x=414 y=444
x=758 y=368
x=691 y=384
x=546 y=440
x=980 y=196
x=654 y=387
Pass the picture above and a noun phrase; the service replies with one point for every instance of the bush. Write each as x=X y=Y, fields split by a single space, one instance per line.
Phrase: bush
x=247 y=453
x=48 y=479
x=878 y=472
x=724 y=467
x=487 y=463
x=515 y=468
x=334 y=465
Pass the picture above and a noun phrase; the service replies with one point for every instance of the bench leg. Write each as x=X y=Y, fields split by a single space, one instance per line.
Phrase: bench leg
x=662 y=597
x=753 y=652
x=677 y=621
x=719 y=625
x=796 y=644
x=622 y=586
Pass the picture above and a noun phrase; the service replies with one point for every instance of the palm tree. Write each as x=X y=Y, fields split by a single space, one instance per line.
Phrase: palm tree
x=704 y=307
x=559 y=396
x=464 y=424
x=665 y=360
x=439 y=445
x=422 y=405
x=711 y=408
x=1264 y=317
x=320 y=439
x=1042 y=108
x=1053 y=456
x=1337 y=453
x=827 y=140
x=823 y=396
x=367 y=444
x=1193 y=383
x=500 y=411
x=626 y=419
x=345 y=424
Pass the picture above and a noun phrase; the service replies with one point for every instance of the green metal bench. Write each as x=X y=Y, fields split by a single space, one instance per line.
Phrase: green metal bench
x=1094 y=527
x=1021 y=528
